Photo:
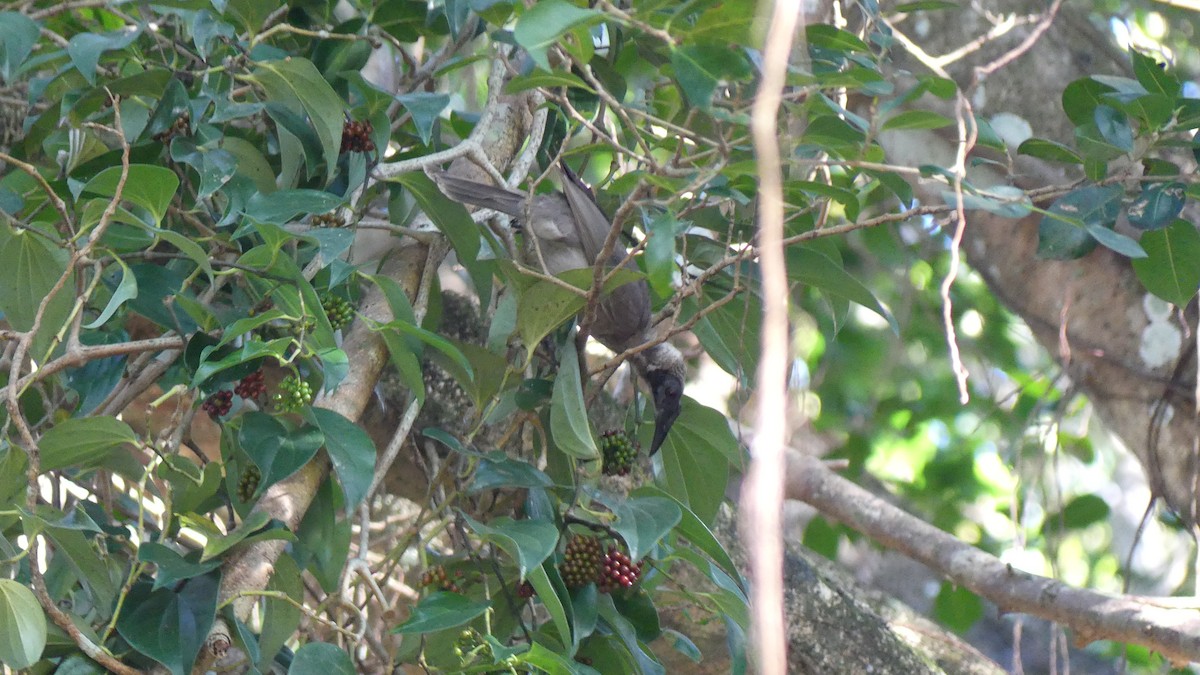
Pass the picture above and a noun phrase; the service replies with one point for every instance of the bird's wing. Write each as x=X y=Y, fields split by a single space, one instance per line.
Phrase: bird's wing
x=592 y=225
x=478 y=194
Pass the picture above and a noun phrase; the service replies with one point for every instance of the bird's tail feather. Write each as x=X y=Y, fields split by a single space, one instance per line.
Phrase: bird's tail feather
x=479 y=194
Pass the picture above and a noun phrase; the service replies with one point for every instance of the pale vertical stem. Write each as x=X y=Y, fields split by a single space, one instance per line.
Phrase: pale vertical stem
x=762 y=492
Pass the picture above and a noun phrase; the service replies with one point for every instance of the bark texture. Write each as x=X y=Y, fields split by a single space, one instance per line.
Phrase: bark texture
x=1091 y=313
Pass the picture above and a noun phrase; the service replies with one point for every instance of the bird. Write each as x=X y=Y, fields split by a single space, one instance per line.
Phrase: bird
x=570 y=230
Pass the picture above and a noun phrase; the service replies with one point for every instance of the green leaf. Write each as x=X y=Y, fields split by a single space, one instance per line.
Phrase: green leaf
x=168 y=626
x=12 y=476
x=545 y=305
x=99 y=576
x=296 y=82
x=957 y=607
x=1157 y=206
x=172 y=567
x=643 y=521
x=250 y=351
x=683 y=645
x=441 y=610
x=85 y=49
x=29 y=267
x=917 y=119
x=1115 y=241
x=1153 y=111
x=723 y=330
x=1058 y=240
x=250 y=163
x=497 y=470
x=551 y=592
x=811 y=267
x=323 y=544
x=321 y=658
x=1049 y=150
x=660 y=252
x=1003 y=200
x=638 y=608
x=277 y=450
x=83 y=442
x=551 y=663
x=1095 y=150
x=22 y=623
x=551 y=80
x=126 y=290
x=351 y=451
x=335 y=364
x=540 y=26
x=835 y=39
x=701 y=68
x=926 y=5
x=433 y=340
x=18 y=35
x=1080 y=98
x=1080 y=512
x=244 y=325
x=280 y=618
x=425 y=108
x=528 y=542
x=696 y=531
x=696 y=458
x=150 y=187
x=627 y=633
x=1114 y=127
x=452 y=219
x=1155 y=76
x=283 y=206
x=297 y=140
x=1062 y=234
x=172 y=97
x=568 y=415
x=405 y=360
x=1171 y=268
x=215 y=166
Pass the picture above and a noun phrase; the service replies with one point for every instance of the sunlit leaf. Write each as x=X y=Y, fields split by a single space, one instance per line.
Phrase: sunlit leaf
x=542 y=25
x=568 y=414
x=1171 y=268
x=441 y=610
x=22 y=624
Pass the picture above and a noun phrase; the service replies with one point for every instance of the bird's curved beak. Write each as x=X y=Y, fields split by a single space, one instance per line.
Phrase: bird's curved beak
x=667 y=389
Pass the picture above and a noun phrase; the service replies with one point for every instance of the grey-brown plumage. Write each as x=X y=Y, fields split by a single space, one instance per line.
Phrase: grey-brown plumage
x=570 y=230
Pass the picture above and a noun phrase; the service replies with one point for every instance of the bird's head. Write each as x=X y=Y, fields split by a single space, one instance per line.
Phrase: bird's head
x=663 y=368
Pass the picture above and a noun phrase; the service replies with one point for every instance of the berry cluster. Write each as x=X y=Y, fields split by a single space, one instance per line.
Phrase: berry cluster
x=339 y=311
x=303 y=326
x=294 y=393
x=618 y=571
x=218 y=404
x=178 y=128
x=470 y=646
x=248 y=483
x=331 y=219
x=619 y=452
x=252 y=385
x=438 y=577
x=356 y=136
x=581 y=561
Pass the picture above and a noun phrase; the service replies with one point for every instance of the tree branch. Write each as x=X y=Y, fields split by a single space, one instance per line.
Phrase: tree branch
x=1174 y=632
